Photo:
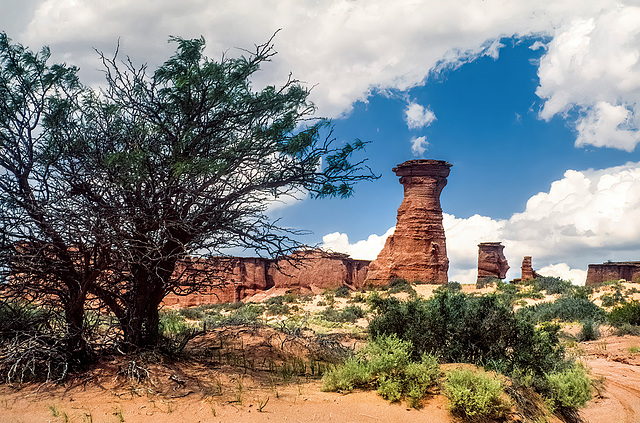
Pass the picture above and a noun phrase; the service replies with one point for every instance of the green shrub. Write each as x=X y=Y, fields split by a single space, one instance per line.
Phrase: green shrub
x=358 y=297
x=450 y=286
x=290 y=297
x=569 y=389
x=475 y=395
x=614 y=298
x=628 y=314
x=590 y=331
x=566 y=309
x=419 y=378
x=349 y=314
x=343 y=292
x=461 y=328
x=172 y=323
x=400 y=285
x=385 y=364
x=554 y=285
x=192 y=313
x=354 y=373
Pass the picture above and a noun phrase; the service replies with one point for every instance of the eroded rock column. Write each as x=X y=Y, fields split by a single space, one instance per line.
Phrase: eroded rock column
x=417 y=250
x=492 y=264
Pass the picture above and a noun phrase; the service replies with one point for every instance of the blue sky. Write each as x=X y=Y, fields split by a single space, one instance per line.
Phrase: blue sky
x=536 y=105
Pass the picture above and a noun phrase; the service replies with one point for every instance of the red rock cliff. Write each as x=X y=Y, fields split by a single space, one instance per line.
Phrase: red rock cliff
x=232 y=279
x=613 y=271
x=417 y=250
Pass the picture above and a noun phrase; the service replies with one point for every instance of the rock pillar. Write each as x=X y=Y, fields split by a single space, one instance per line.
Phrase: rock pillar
x=492 y=263
x=527 y=270
x=417 y=250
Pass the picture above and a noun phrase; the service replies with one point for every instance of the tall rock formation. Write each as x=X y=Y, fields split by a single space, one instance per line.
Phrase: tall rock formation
x=527 y=270
x=492 y=263
x=417 y=250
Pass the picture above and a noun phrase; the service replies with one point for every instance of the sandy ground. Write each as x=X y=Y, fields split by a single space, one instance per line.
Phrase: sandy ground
x=185 y=393
x=221 y=396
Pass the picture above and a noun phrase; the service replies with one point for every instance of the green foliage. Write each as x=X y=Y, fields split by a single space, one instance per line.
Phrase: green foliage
x=568 y=389
x=400 y=285
x=450 y=286
x=566 y=309
x=241 y=314
x=476 y=395
x=628 y=314
x=343 y=292
x=349 y=314
x=613 y=298
x=590 y=331
x=172 y=322
x=192 y=313
x=276 y=305
x=385 y=364
x=553 y=285
x=461 y=328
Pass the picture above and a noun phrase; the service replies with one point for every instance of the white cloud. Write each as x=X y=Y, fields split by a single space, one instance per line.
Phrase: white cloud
x=349 y=49
x=563 y=271
x=364 y=249
x=419 y=145
x=586 y=217
x=593 y=66
x=418 y=116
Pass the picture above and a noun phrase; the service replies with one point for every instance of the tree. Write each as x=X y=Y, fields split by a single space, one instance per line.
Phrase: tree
x=48 y=249
x=184 y=161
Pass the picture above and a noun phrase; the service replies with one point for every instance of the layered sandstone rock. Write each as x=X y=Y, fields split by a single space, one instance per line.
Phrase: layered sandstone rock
x=231 y=279
x=318 y=271
x=492 y=263
x=613 y=271
x=417 y=250
x=527 y=270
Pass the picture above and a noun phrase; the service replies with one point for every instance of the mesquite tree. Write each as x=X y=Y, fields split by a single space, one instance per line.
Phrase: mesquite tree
x=49 y=252
x=185 y=161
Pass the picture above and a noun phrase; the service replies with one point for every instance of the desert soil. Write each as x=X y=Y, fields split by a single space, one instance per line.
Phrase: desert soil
x=190 y=392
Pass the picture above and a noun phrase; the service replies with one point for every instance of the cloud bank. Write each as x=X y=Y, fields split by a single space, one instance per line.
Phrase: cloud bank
x=586 y=217
x=349 y=49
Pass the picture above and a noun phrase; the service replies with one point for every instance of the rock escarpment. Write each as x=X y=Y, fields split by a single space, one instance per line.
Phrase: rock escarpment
x=492 y=263
x=417 y=250
x=613 y=271
x=231 y=279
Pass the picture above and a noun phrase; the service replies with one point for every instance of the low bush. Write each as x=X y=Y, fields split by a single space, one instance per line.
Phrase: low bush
x=247 y=314
x=626 y=314
x=567 y=309
x=385 y=364
x=172 y=322
x=590 y=331
x=400 y=285
x=553 y=285
x=476 y=395
x=614 y=298
x=192 y=313
x=342 y=292
x=461 y=328
x=349 y=314
x=568 y=390
x=450 y=286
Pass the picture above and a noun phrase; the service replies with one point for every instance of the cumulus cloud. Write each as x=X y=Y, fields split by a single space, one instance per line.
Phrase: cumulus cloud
x=366 y=249
x=592 y=66
x=586 y=217
x=347 y=49
x=563 y=271
x=418 y=116
x=419 y=145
